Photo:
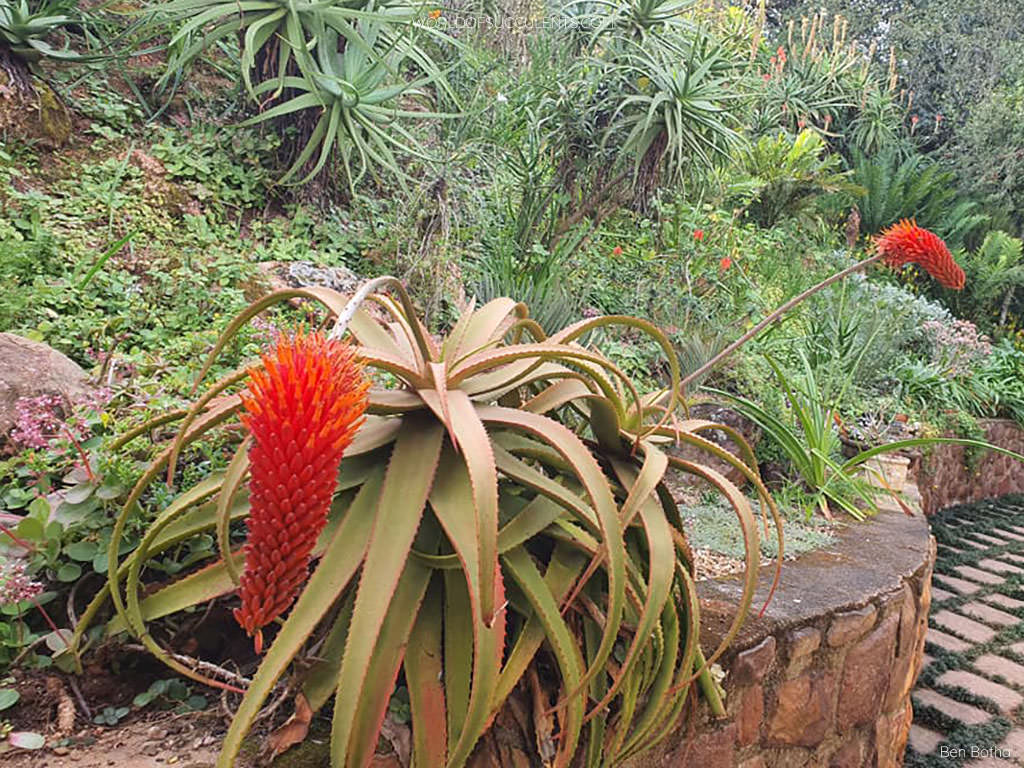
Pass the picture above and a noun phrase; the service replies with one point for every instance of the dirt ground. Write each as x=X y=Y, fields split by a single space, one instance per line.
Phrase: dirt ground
x=157 y=742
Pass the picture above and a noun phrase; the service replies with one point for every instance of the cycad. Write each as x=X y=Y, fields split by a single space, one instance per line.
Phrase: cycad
x=898 y=187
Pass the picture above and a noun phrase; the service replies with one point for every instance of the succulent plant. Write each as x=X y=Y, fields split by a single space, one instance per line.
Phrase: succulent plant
x=500 y=520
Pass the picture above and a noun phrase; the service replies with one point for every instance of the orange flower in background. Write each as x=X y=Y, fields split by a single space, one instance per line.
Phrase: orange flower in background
x=725 y=263
x=698 y=235
x=434 y=14
x=617 y=250
x=302 y=407
x=907 y=243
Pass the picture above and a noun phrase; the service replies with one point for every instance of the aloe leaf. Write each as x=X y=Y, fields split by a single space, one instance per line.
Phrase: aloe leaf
x=213 y=580
x=424 y=673
x=475 y=446
x=318 y=686
x=458 y=651
x=233 y=478
x=390 y=651
x=559 y=638
x=397 y=515
x=661 y=557
x=593 y=480
x=338 y=565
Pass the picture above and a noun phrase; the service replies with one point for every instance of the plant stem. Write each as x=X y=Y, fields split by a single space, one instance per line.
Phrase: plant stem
x=709 y=687
x=798 y=299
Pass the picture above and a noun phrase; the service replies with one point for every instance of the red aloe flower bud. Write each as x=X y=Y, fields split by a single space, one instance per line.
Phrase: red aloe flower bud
x=302 y=407
x=905 y=243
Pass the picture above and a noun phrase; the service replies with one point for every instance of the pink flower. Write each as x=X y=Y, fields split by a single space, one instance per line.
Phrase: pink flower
x=15 y=583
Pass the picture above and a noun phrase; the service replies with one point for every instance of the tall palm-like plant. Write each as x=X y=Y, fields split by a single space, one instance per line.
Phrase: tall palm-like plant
x=335 y=71
x=501 y=521
x=673 y=111
x=784 y=176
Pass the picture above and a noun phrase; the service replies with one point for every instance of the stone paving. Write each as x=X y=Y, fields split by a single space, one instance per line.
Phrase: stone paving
x=967 y=704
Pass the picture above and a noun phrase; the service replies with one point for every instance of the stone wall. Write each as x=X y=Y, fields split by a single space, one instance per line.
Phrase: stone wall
x=823 y=678
x=944 y=476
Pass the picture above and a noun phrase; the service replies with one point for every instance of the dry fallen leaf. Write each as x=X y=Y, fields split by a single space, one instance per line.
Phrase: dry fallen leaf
x=292 y=732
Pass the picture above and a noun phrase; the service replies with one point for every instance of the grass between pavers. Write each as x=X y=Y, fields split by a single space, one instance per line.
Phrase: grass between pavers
x=949 y=528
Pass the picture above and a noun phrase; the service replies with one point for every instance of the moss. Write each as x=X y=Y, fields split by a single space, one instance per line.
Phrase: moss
x=54 y=118
x=36 y=114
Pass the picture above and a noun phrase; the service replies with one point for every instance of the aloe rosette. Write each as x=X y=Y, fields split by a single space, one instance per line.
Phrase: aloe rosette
x=500 y=528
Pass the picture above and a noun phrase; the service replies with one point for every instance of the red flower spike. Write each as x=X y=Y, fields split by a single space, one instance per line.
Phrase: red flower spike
x=906 y=243
x=302 y=407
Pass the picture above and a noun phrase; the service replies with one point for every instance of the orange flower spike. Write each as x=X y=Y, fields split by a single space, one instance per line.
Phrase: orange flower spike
x=906 y=243
x=303 y=408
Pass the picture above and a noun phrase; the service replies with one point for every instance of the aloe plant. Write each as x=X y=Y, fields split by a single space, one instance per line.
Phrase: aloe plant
x=501 y=516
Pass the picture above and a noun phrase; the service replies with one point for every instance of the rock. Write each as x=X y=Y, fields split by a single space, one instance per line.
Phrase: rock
x=749 y=716
x=804 y=711
x=847 y=627
x=280 y=275
x=31 y=369
x=849 y=755
x=866 y=674
x=751 y=665
x=151 y=748
x=155 y=733
x=891 y=732
x=802 y=643
x=715 y=749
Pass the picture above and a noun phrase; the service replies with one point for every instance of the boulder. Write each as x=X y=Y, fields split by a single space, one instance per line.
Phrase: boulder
x=279 y=275
x=30 y=369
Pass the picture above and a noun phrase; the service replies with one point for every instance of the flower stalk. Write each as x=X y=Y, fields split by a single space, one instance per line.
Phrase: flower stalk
x=303 y=408
x=903 y=243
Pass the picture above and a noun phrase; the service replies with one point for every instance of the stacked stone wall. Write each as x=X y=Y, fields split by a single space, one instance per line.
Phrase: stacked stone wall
x=949 y=474
x=823 y=678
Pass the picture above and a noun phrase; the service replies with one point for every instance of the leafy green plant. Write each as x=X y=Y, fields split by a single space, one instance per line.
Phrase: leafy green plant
x=785 y=176
x=111 y=715
x=8 y=696
x=538 y=278
x=813 y=80
x=673 y=107
x=491 y=539
x=807 y=435
x=173 y=691
x=995 y=274
x=25 y=29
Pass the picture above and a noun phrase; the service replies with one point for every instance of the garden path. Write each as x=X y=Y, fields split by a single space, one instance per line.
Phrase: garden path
x=968 y=702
